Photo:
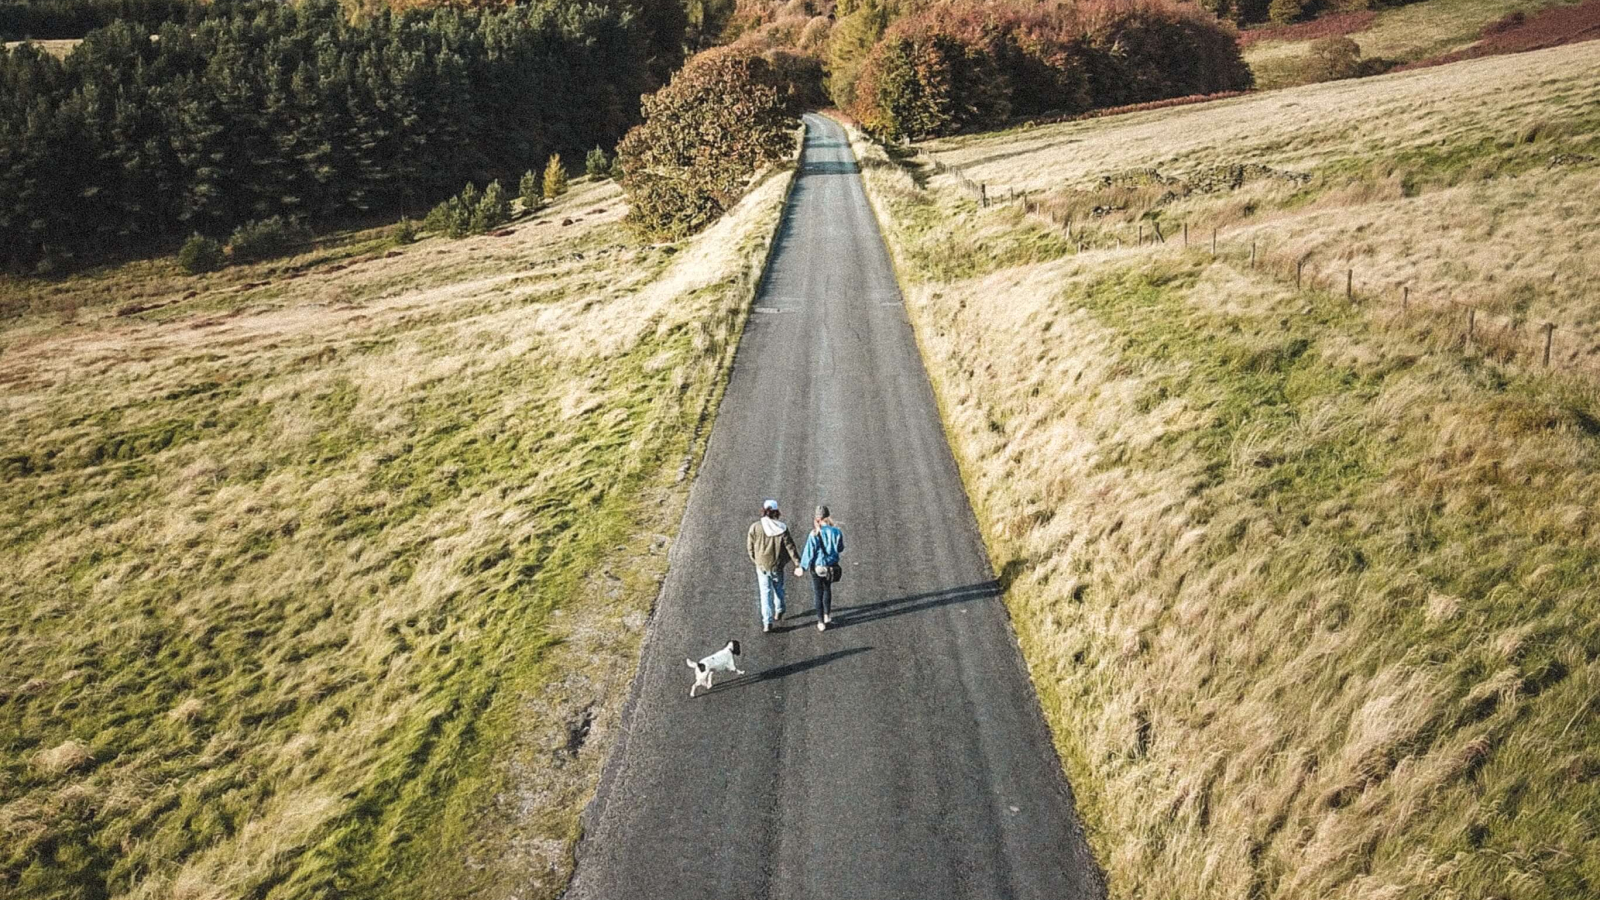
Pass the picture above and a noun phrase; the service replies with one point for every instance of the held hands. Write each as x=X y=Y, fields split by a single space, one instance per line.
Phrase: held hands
x=798 y=571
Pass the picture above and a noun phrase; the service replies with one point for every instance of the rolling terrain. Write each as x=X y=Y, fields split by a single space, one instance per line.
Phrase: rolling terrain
x=1407 y=33
x=324 y=576
x=1307 y=586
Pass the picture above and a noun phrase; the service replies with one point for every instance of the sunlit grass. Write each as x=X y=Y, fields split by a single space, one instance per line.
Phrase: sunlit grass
x=1309 y=593
x=329 y=582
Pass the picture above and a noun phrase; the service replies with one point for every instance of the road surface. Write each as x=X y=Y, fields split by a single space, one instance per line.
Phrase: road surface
x=901 y=753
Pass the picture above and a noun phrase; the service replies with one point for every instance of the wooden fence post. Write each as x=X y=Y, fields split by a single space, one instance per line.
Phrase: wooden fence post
x=1252 y=254
x=1186 y=235
x=1472 y=321
x=1350 y=285
x=1405 y=298
x=1549 y=329
x=1213 y=241
x=1069 y=228
x=983 y=194
x=1299 y=265
x=1141 y=234
x=1158 y=236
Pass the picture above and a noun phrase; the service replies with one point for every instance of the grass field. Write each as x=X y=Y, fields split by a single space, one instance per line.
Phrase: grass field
x=1310 y=592
x=59 y=47
x=1403 y=34
x=324 y=577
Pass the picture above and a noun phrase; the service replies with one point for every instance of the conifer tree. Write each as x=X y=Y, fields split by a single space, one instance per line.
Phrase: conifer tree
x=531 y=190
x=493 y=209
x=596 y=164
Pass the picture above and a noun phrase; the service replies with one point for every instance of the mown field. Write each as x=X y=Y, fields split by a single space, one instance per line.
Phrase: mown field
x=1310 y=590
x=325 y=576
x=1402 y=34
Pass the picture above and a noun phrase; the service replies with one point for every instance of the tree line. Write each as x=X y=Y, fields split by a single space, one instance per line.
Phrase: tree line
x=965 y=66
x=301 y=112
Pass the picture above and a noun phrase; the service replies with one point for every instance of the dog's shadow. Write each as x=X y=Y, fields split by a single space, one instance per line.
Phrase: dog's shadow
x=783 y=671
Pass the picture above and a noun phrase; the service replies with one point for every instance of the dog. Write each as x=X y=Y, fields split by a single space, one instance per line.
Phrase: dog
x=721 y=661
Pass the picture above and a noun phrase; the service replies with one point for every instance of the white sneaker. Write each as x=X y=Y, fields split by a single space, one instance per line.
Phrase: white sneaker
x=828 y=618
x=766 y=626
x=822 y=626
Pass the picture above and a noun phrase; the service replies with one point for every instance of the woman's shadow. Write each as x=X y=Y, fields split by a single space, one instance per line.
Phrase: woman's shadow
x=845 y=616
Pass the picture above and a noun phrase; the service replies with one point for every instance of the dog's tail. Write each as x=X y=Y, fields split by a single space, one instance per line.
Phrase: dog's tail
x=693 y=665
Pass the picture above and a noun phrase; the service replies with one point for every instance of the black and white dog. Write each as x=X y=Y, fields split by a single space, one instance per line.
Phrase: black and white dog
x=721 y=661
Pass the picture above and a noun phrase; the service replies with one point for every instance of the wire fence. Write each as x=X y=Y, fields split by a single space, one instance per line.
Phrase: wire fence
x=1468 y=326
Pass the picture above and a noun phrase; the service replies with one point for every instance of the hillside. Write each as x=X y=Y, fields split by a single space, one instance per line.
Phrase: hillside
x=1402 y=34
x=325 y=576
x=1309 y=587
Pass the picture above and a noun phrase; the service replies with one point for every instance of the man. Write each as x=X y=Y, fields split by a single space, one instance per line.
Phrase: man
x=767 y=543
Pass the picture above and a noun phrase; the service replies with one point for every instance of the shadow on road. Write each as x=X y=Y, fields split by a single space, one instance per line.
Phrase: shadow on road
x=786 y=670
x=845 y=616
x=847 y=167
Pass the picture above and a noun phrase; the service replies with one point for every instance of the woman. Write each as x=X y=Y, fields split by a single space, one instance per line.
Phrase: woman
x=821 y=558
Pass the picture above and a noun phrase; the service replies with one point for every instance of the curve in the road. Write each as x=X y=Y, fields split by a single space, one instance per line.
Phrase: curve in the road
x=901 y=753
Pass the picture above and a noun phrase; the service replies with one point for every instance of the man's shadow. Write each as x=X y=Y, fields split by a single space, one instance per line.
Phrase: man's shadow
x=784 y=671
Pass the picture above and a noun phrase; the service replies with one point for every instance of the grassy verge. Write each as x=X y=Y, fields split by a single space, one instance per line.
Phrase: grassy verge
x=1309 y=598
x=324 y=576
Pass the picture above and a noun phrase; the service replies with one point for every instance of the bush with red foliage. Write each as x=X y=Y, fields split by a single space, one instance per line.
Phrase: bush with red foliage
x=1551 y=27
x=961 y=66
x=725 y=115
x=1337 y=25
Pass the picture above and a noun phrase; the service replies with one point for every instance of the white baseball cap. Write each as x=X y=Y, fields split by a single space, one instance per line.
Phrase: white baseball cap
x=770 y=504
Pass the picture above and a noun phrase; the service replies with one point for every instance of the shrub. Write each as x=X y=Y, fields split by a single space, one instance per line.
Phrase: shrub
x=1282 y=12
x=493 y=209
x=555 y=177
x=405 y=232
x=201 y=254
x=596 y=164
x=531 y=190
x=453 y=217
x=264 y=239
x=724 y=115
x=1332 y=58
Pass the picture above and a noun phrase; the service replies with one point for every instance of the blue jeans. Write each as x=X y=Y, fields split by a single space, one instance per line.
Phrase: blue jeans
x=769 y=587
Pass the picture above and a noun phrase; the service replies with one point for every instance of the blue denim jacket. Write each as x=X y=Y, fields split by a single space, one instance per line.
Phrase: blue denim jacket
x=822 y=548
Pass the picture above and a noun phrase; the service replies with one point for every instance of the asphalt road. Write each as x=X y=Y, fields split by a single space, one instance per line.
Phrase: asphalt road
x=901 y=753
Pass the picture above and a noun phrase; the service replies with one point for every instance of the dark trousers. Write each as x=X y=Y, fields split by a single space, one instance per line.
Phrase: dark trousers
x=822 y=592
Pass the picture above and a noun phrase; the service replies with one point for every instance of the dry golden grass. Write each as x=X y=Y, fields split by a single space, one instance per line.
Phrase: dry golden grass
x=325 y=576
x=1310 y=598
x=1391 y=118
x=58 y=48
